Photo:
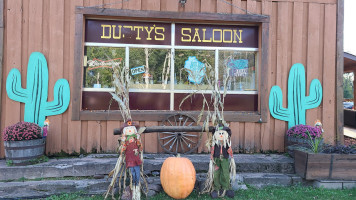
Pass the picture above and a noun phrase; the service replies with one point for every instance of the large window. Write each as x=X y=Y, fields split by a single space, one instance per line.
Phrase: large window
x=169 y=61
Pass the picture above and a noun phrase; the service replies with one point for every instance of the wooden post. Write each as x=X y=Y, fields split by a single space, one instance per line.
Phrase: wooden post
x=1 y=46
x=354 y=91
x=339 y=73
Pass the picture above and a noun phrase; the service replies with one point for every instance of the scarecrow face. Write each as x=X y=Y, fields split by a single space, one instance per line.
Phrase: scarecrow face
x=129 y=130
x=221 y=135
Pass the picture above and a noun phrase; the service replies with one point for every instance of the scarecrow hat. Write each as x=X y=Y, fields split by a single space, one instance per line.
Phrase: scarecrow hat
x=129 y=122
x=222 y=127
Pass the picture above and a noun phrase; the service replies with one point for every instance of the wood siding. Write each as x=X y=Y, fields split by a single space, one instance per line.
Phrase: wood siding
x=300 y=31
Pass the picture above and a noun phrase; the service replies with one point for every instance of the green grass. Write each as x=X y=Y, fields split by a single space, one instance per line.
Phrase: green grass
x=268 y=193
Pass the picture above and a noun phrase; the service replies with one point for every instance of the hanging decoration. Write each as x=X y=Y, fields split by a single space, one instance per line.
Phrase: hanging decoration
x=298 y=103
x=196 y=70
x=36 y=93
x=238 y=67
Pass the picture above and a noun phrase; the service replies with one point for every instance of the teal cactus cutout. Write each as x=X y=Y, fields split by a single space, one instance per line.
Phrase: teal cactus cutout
x=298 y=103
x=36 y=92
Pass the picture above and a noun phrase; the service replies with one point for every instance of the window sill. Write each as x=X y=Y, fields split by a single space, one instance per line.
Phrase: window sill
x=230 y=116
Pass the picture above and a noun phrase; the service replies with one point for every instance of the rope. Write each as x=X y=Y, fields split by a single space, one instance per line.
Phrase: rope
x=107 y=4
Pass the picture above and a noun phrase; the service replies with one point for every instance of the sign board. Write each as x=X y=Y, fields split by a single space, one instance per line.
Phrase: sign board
x=238 y=67
x=97 y=63
x=138 y=70
x=158 y=33
x=216 y=35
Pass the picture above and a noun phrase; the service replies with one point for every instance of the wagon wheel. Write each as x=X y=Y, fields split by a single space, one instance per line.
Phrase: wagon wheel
x=179 y=142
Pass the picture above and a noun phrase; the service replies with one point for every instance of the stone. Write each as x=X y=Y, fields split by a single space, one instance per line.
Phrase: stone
x=99 y=176
x=328 y=184
x=155 y=187
x=237 y=187
x=151 y=193
x=349 y=185
x=264 y=179
x=103 y=163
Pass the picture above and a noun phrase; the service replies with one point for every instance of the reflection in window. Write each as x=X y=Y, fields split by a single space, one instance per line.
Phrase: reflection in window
x=150 y=68
x=241 y=66
x=192 y=68
x=98 y=69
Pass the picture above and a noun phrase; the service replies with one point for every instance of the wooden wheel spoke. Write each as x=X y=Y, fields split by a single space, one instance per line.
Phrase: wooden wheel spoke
x=188 y=145
x=168 y=141
x=186 y=119
x=175 y=120
x=170 y=147
x=191 y=124
x=166 y=137
x=177 y=146
x=170 y=122
x=181 y=145
x=190 y=135
x=189 y=140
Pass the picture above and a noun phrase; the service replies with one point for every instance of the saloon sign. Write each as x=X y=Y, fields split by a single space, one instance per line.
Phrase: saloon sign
x=131 y=32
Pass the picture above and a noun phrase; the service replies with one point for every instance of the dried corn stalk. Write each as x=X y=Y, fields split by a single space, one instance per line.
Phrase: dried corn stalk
x=121 y=84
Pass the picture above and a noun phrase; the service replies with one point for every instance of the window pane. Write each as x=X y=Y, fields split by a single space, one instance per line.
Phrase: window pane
x=241 y=67
x=150 y=68
x=192 y=67
x=100 y=60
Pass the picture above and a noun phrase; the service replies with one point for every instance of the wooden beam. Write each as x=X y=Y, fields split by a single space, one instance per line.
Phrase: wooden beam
x=339 y=73
x=78 y=67
x=153 y=129
x=264 y=68
x=309 y=1
x=230 y=116
x=169 y=16
x=1 y=48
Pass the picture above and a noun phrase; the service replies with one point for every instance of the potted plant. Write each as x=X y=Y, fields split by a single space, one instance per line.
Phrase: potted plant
x=301 y=136
x=23 y=143
x=323 y=161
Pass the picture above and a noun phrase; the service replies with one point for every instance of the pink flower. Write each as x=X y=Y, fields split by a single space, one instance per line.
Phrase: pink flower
x=22 y=131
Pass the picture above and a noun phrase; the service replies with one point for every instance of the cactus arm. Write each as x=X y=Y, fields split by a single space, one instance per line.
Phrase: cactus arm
x=315 y=95
x=61 y=99
x=276 y=105
x=13 y=86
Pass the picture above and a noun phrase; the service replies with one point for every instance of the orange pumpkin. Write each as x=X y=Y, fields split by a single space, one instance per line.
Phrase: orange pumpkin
x=178 y=177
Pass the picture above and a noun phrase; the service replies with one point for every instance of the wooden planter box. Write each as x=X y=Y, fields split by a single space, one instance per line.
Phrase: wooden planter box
x=313 y=166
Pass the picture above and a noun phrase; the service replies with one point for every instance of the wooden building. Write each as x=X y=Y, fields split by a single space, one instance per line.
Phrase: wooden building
x=286 y=32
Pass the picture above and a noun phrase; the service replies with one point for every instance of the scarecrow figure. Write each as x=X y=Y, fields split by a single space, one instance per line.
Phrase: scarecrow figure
x=131 y=148
x=218 y=182
x=129 y=162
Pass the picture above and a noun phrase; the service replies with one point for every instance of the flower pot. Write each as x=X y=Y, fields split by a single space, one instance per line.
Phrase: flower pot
x=313 y=166
x=292 y=143
x=22 y=152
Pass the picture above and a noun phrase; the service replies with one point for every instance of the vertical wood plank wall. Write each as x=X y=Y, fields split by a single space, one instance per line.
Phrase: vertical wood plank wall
x=301 y=31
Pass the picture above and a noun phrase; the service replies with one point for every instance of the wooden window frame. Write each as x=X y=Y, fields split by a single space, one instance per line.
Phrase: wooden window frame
x=232 y=116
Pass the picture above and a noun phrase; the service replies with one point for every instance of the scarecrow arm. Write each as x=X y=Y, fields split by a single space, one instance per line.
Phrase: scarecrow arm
x=230 y=152
x=212 y=153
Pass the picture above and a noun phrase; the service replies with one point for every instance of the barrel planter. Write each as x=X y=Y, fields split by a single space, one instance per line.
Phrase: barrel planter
x=22 y=152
